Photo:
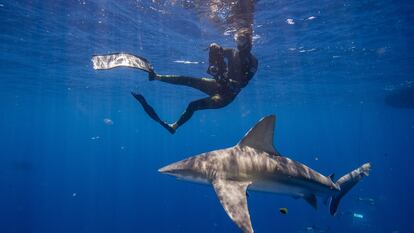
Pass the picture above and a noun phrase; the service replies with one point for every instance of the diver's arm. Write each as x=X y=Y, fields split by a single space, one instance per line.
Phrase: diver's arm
x=253 y=68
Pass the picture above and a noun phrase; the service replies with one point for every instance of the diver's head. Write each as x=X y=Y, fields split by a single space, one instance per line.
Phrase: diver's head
x=243 y=38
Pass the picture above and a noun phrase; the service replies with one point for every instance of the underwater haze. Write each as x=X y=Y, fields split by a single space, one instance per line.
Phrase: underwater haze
x=78 y=154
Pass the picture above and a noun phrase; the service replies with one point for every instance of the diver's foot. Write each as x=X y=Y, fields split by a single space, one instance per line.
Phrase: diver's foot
x=173 y=125
x=150 y=111
x=152 y=76
x=168 y=127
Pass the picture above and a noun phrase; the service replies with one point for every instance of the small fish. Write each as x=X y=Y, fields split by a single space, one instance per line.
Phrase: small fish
x=283 y=210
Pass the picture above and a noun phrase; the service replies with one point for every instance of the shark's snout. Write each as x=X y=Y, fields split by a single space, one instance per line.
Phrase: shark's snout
x=187 y=169
x=167 y=169
x=173 y=169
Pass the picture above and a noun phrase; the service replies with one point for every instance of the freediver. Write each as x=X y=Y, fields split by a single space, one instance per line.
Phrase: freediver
x=232 y=69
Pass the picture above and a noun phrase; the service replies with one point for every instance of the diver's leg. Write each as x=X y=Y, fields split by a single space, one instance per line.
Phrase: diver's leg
x=211 y=102
x=151 y=112
x=206 y=85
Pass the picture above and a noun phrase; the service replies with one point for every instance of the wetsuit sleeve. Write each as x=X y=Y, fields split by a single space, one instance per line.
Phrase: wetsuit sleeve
x=253 y=68
x=250 y=72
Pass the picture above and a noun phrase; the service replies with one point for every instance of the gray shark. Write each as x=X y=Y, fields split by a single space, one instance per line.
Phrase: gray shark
x=255 y=164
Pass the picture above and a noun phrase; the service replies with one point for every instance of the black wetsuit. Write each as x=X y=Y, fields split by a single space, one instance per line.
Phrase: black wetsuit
x=221 y=90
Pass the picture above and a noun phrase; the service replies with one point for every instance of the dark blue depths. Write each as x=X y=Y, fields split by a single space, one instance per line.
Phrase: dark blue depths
x=78 y=154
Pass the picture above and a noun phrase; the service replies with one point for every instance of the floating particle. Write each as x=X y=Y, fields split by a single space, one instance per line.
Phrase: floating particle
x=95 y=138
x=360 y=216
x=108 y=121
x=74 y=194
x=290 y=21
x=311 y=18
x=283 y=210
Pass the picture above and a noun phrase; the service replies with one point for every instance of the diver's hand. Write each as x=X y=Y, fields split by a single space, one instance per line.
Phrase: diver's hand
x=213 y=70
x=233 y=85
x=233 y=82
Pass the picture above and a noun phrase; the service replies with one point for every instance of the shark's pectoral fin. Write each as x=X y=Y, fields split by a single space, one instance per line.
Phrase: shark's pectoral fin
x=261 y=136
x=311 y=199
x=232 y=196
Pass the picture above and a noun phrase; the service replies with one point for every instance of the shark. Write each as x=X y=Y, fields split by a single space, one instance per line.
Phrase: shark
x=255 y=164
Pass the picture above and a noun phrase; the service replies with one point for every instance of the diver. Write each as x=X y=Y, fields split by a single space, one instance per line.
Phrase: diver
x=231 y=69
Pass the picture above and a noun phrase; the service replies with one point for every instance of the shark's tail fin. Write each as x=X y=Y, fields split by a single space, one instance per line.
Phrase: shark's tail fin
x=346 y=183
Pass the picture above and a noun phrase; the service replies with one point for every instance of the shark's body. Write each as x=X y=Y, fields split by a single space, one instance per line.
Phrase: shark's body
x=255 y=164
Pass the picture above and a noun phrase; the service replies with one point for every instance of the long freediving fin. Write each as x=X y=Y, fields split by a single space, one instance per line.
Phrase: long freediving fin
x=109 y=61
x=151 y=112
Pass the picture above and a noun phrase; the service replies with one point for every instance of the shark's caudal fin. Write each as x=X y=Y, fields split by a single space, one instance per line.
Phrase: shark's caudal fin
x=346 y=183
x=261 y=136
x=109 y=61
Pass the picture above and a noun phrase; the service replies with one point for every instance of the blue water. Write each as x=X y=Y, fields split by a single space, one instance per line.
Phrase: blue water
x=63 y=169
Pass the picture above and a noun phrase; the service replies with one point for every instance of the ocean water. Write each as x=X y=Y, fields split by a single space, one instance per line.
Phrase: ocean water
x=78 y=154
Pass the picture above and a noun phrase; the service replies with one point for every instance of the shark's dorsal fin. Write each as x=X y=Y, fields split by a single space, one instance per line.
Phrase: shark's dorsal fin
x=232 y=196
x=332 y=177
x=261 y=136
